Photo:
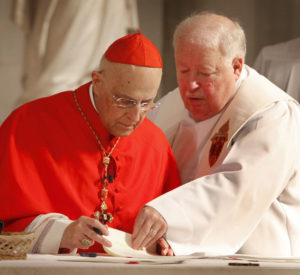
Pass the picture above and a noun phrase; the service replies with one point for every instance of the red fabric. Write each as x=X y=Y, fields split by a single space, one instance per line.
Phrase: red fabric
x=134 y=49
x=50 y=162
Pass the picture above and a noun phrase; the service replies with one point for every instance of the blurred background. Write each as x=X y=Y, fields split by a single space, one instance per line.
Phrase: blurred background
x=49 y=46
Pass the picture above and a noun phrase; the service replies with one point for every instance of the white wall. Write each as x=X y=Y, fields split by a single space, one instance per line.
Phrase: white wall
x=12 y=41
x=265 y=22
x=11 y=60
x=151 y=20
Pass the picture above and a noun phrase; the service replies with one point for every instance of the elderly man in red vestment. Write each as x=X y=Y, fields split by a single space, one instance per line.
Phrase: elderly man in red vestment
x=75 y=162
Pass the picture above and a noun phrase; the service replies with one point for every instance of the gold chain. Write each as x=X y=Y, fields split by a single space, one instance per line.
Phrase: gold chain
x=104 y=217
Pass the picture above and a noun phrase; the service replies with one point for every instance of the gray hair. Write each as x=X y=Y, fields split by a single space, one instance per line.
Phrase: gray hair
x=213 y=31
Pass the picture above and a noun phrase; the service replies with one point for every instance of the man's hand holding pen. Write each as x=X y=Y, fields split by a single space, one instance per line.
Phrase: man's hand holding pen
x=83 y=232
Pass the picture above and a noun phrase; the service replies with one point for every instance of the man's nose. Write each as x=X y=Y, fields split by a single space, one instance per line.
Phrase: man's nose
x=134 y=113
x=193 y=85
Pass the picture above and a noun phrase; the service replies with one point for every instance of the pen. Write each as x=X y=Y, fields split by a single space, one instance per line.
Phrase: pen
x=97 y=230
x=243 y=264
x=88 y=254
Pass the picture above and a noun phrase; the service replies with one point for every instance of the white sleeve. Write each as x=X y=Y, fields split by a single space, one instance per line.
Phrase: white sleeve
x=168 y=114
x=49 y=229
x=217 y=213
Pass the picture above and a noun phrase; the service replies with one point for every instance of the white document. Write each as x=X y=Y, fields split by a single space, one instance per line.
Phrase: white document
x=121 y=247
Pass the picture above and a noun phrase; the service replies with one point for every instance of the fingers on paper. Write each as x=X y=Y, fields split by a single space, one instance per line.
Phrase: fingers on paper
x=148 y=228
x=163 y=248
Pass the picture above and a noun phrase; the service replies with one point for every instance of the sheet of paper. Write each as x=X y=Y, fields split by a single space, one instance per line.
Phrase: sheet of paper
x=257 y=258
x=192 y=259
x=121 y=246
x=104 y=259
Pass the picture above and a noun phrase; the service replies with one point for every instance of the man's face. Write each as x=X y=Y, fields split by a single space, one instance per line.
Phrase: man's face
x=123 y=94
x=205 y=80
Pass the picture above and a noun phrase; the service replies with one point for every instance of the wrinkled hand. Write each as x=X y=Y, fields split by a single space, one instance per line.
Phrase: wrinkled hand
x=163 y=248
x=82 y=228
x=149 y=226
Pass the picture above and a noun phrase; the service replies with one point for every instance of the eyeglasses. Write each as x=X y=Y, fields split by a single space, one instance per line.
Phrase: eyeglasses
x=126 y=103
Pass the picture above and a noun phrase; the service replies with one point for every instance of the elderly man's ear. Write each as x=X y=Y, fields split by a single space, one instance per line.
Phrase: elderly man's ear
x=237 y=65
x=97 y=77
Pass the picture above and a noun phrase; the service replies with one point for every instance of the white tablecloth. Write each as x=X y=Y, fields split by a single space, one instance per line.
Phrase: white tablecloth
x=72 y=265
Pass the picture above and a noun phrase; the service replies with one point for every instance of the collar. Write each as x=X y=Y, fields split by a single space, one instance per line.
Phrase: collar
x=87 y=104
x=92 y=97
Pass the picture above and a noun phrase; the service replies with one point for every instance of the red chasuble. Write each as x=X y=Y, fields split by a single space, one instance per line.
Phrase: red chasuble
x=51 y=162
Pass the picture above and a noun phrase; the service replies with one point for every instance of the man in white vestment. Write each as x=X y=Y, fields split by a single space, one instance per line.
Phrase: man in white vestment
x=236 y=138
x=280 y=63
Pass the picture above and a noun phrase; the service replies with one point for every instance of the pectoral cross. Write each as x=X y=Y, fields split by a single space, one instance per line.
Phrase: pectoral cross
x=103 y=216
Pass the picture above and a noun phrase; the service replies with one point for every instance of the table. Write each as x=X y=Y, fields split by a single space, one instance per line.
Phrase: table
x=67 y=265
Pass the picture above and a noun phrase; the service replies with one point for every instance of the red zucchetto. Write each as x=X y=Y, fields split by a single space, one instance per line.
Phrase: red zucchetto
x=134 y=49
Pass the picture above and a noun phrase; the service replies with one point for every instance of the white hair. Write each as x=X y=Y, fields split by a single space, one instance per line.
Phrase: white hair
x=213 y=31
